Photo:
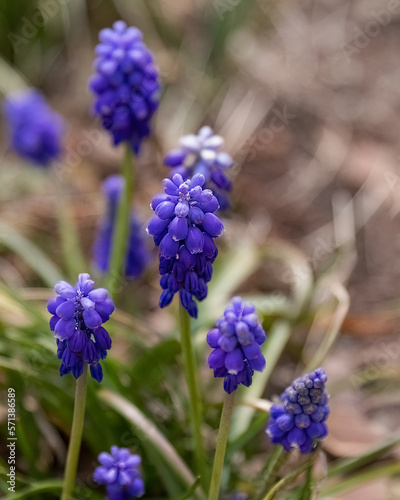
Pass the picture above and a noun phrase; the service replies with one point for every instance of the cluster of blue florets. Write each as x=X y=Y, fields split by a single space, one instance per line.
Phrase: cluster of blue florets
x=236 y=342
x=119 y=472
x=299 y=420
x=202 y=154
x=78 y=313
x=35 y=130
x=126 y=84
x=184 y=227
x=137 y=255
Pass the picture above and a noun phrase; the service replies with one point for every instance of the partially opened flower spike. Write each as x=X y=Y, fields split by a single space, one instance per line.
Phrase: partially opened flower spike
x=298 y=422
x=78 y=314
x=34 y=129
x=137 y=255
x=119 y=472
x=236 y=342
x=203 y=154
x=125 y=84
x=184 y=228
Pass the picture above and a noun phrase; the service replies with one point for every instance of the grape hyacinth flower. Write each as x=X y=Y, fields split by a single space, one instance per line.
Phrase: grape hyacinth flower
x=126 y=84
x=236 y=344
x=35 y=130
x=137 y=255
x=184 y=227
x=202 y=154
x=78 y=314
x=299 y=420
x=119 y=472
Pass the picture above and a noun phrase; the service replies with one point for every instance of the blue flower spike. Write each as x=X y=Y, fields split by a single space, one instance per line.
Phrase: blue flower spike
x=77 y=316
x=236 y=342
x=203 y=154
x=298 y=422
x=35 y=130
x=184 y=228
x=137 y=255
x=126 y=84
x=119 y=472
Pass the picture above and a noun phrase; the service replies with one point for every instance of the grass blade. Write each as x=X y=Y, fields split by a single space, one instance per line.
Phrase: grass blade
x=272 y=351
x=31 y=254
x=153 y=436
x=41 y=487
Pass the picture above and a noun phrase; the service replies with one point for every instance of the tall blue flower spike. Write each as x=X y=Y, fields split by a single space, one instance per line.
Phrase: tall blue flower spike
x=35 y=130
x=202 y=154
x=236 y=342
x=137 y=256
x=119 y=472
x=126 y=84
x=77 y=316
x=299 y=420
x=184 y=228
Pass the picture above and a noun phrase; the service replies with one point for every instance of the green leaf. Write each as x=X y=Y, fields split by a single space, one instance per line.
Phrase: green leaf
x=351 y=464
x=360 y=479
x=42 y=487
x=289 y=478
x=272 y=350
x=244 y=259
x=31 y=254
x=191 y=490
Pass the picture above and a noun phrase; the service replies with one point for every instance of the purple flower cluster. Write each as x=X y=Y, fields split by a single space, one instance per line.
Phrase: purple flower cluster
x=201 y=154
x=35 y=130
x=236 y=344
x=119 y=472
x=184 y=227
x=78 y=313
x=299 y=420
x=126 y=84
x=137 y=256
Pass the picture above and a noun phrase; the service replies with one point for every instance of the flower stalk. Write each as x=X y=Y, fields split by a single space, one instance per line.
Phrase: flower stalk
x=76 y=435
x=190 y=364
x=121 y=230
x=223 y=434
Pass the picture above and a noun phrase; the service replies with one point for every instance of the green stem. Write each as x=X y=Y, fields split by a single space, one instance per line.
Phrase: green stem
x=194 y=398
x=76 y=435
x=222 y=439
x=270 y=473
x=121 y=228
x=307 y=490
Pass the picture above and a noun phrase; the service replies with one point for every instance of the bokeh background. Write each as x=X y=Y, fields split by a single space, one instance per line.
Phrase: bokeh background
x=307 y=97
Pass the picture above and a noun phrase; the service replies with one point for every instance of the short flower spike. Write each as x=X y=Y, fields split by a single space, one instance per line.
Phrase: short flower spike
x=184 y=228
x=119 y=472
x=35 y=130
x=125 y=84
x=203 y=154
x=299 y=420
x=236 y=342
x=78 y=314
